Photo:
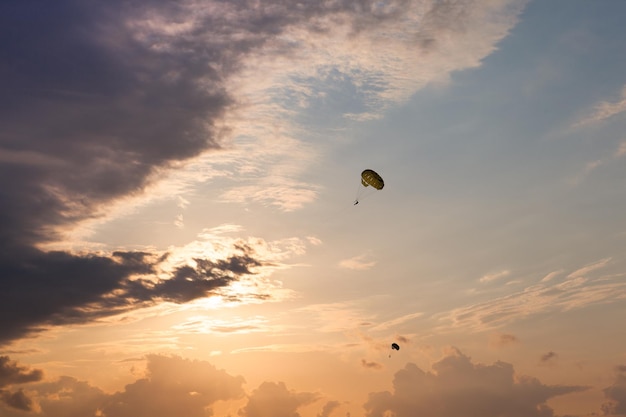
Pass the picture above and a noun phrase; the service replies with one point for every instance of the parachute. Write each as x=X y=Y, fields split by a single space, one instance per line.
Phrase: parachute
x=369 y=178
x=394 y=346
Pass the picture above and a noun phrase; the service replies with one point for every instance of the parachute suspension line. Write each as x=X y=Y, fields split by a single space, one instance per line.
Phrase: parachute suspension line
x=357 y=194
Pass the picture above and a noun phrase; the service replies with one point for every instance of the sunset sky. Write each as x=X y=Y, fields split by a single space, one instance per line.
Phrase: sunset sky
x=177 y=230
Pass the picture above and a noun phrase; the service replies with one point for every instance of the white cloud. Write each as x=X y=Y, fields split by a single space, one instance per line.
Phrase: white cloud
x=552 y=275
x=589 y=268
x=495 y=276
x=358 y=263
x=179 y=222
x=604 y=110
x=396 y=321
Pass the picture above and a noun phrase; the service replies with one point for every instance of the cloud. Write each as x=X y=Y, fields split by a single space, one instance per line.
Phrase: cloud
x=500 y=340
x=396 y=321
x=370 y=365
x=11 y=373
x=17 y=400
x=174 y=386
x=163 y=83
x=171 y=386
x=457 y=386
x=579 y=289
x=358 y=263
x=552 y=275
x=273 y=399
x=329 y=407
x=43 y=289
x=549 y=358
x=494 y=276
x=616 y=394
x=133 y=108
x=604 y=110
x=589 y=268
x=334 y=317
x=100 y=103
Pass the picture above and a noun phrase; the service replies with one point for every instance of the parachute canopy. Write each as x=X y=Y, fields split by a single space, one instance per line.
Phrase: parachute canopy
x=395 y=346
x=371 y=178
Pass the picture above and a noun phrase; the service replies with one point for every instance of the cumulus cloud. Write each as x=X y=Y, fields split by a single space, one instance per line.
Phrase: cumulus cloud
x=17 y=400
x=329 y=407
x=457 y=386
x=616 y=394
x=13 y=374
x=174 y=386
x=171 y=386
x=273 y=399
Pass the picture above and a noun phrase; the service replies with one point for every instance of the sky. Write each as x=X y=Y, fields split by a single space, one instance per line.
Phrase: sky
x=178 y=233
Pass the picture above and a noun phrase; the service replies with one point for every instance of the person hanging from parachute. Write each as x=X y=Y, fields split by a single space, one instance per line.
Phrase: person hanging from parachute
x=394 y=346
x=369 y=178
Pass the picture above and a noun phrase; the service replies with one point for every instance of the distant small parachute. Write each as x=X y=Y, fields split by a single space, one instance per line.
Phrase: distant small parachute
x=394 y=346
x=369 y=178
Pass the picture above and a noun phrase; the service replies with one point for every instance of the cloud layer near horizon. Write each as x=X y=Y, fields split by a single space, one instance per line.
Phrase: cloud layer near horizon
x=455 y=386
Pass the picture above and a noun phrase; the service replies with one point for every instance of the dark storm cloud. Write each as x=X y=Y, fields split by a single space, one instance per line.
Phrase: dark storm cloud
x=88 y=111
x=459 y=387
x=57 y=288
x=12 y=374
x=616 y=394
x=96 y=100
x=17 y=400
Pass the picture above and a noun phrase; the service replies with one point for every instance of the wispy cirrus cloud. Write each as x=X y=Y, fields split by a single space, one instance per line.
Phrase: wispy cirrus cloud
x=603 y=111
x=396 y=321
x=494 y=276
x=358 y=263
x=578 y=289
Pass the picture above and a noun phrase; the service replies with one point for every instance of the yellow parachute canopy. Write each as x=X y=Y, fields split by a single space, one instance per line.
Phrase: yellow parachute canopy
x=370 y=177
